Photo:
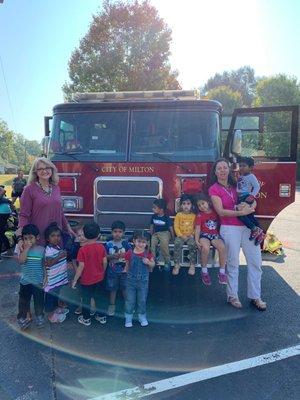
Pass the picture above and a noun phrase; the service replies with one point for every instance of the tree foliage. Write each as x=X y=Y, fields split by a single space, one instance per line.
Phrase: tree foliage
x=277 y=90
x=15 y=149
x=229 y=98
x=126 y=48
x=241 y=80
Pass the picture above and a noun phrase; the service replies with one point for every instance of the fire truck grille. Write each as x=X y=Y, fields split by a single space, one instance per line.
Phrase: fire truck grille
x=128 y=199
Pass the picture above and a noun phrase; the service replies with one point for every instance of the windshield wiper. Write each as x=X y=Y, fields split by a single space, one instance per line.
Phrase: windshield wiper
x=162 y=157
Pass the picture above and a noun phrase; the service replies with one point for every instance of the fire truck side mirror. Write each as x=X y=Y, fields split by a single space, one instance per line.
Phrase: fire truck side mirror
x=47 y=126
x=236 y=146
x=45 y=144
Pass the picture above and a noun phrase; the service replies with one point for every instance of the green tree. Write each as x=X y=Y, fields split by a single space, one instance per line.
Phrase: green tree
x=241 y=80
x=15 y=149
x=229 y=98
x=126 y=48
x=277 y=90
x=6 y=143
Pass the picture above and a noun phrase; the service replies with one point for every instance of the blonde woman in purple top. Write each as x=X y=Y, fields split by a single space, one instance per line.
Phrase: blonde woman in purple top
x=236 y=236
x=40 y=203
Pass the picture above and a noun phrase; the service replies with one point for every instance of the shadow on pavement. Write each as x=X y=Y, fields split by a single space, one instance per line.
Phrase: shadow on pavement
x=191 y=327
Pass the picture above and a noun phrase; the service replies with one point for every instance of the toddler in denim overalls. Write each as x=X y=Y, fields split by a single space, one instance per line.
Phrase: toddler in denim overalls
x=139 y=262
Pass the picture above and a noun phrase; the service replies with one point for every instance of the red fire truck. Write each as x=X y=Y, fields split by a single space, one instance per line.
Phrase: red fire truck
x=116 y=152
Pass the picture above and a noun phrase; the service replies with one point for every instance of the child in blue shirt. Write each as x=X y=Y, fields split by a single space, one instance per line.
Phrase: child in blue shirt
x=248 y=188
x=30 y=256
x=116 y=274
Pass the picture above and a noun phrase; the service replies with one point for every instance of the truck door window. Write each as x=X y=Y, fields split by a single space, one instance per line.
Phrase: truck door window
x=267 y=135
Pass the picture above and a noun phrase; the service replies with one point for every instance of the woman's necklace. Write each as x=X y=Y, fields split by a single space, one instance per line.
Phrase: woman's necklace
x=47 y=191
x=228 y=191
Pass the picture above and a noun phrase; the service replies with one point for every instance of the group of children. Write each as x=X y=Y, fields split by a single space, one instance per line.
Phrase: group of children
x=118 y=264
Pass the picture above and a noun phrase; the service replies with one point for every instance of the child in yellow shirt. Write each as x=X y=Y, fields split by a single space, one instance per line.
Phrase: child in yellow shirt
x=184 y=226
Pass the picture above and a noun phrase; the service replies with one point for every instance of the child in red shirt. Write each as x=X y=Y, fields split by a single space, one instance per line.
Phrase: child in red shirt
x=91 y=269
x=207 y=234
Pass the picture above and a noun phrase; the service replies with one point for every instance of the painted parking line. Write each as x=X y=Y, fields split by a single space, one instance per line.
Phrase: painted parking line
x=201 y=375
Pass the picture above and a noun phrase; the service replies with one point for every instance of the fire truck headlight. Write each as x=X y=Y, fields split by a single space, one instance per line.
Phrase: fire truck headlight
x=71 y=203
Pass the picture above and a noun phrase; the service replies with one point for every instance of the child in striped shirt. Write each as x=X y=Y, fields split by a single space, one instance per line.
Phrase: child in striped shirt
x=30 y=257
x=56 y=274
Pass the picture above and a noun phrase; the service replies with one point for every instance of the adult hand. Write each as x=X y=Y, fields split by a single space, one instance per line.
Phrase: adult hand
x=71 y=232
x=246 y=210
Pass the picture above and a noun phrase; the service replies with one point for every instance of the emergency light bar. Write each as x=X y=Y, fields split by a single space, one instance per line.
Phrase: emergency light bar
x=139 y=95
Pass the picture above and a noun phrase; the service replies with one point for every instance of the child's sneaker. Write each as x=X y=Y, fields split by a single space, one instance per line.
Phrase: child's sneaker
x=40 y=321
x=205 y=278
x=175 y=270
x=254 y=233
x=143 y=320
x=57 y=318
x=260 y=238
x=101 y=318
x=166 y=267
x=222 y=279
x=78 y=311
x=24 y=323
x=62 y=310
x=86 y=322
x=191 y=270
x=128 y=320
x=111 y=310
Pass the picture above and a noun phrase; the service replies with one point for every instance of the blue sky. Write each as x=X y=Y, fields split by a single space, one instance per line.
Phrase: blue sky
x=38 y=36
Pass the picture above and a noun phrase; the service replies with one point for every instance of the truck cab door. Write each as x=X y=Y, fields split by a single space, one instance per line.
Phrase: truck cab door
x=270 y=136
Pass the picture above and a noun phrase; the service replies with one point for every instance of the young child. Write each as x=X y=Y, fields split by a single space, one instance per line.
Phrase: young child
x=30 y=257
x=139 y=262
x=184 y=226
x=91 y=270
x=247 y=188
x=161 y=231
x=116 y=274
x=5 y=212
x=56 y=274
x=206 y=234
x=81 y=241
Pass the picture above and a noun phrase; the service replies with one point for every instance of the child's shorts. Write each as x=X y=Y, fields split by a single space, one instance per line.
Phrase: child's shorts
x=115 y=281
x=210 y=236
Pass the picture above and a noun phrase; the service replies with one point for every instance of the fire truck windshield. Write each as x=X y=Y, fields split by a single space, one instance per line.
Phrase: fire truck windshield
x=137 y=135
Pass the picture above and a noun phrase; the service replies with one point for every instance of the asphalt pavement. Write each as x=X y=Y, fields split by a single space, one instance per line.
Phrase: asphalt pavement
x=191 y=328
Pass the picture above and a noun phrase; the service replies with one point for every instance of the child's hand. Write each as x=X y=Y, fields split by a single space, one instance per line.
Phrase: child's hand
x=74 y=284
x=26 y=246
x=62 y=254
x=146 y=261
